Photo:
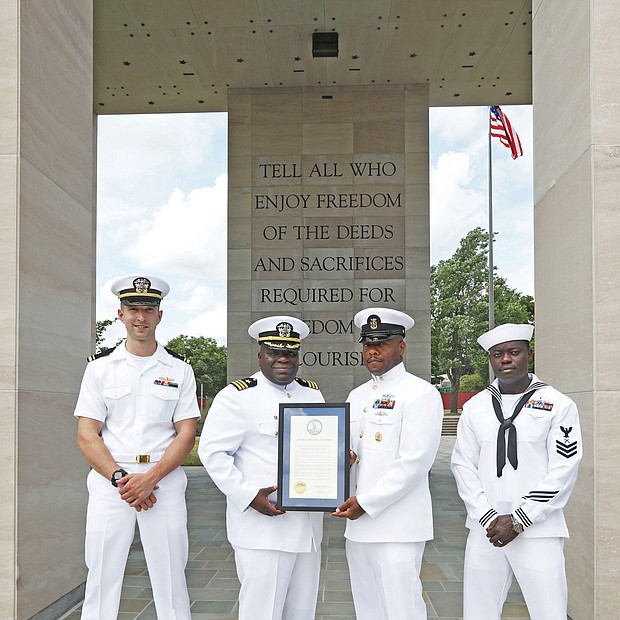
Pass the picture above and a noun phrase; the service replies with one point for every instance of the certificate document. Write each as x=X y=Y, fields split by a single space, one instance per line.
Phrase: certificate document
x=313 y=456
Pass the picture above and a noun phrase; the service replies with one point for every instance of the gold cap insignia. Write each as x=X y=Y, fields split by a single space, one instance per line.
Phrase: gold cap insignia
x=142 y=285
x=284 y=330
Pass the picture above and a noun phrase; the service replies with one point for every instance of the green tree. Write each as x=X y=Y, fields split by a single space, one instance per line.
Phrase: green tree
x=207 y=358
x=459 y=311
x=100 y=328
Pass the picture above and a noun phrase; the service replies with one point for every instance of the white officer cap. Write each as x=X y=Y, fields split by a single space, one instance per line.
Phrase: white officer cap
x=138 y=289
x=279 y=332
x=506 y=333
x=378 y=324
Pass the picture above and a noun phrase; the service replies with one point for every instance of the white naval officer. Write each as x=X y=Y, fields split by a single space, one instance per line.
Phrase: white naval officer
x=137 y=413
x=515 y=462
x=277 y=554
x=395 y=429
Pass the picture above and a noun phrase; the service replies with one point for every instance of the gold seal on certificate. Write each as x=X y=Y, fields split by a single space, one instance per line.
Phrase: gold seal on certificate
x=313 y=456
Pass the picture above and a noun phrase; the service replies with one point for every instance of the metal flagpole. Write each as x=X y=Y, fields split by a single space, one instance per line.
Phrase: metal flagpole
x=491 y=281
x=491 y=287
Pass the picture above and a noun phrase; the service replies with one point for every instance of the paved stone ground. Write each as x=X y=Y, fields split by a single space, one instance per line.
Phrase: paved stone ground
x=212 y=579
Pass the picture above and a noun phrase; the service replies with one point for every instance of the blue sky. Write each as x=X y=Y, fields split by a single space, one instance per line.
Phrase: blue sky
x=161 y=204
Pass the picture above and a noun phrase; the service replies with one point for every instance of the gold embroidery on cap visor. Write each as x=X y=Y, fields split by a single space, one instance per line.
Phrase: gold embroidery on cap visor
x=277 y=342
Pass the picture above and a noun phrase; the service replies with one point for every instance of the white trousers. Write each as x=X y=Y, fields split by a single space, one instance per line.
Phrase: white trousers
x=385 y=580
x=110 y=529
x=537 y=564
x=277 y=585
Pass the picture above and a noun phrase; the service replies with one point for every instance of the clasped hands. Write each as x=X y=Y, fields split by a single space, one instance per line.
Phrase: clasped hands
x=138 y=491
x=500 y=531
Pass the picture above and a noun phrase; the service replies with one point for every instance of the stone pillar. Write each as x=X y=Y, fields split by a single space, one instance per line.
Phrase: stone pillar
x=328 y=214
x=47 y=301
x=577 y=257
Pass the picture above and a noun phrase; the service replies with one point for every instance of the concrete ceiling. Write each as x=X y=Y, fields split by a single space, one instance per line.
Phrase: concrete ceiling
x=183 y=55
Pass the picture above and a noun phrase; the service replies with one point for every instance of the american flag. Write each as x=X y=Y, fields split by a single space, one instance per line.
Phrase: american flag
x=502 y=129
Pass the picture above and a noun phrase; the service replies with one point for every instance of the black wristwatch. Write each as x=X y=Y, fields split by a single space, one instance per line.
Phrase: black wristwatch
x=116 y=476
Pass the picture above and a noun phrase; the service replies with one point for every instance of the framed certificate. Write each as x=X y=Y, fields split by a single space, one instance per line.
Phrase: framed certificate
x=313 y=456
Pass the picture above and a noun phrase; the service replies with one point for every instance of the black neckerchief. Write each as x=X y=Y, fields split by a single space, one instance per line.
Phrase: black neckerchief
x=507 y=425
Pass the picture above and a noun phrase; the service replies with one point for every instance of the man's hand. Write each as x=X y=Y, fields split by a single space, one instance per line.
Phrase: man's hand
x=137 y=491
x=149 y=502
x=350 y=509
x=264 y=505
x=500 y=531
x=352 y=457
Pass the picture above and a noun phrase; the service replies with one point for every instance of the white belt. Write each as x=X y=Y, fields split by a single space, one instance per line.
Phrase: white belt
x=137 y=458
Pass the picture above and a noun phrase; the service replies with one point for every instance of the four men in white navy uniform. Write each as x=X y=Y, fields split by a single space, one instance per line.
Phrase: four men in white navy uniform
x=396 y=422
x=137 y=413
x=515 y=463
x=277 y=554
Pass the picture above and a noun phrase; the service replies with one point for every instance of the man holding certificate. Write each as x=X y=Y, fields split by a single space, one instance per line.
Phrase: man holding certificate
x=395 y=430
x=277 y=553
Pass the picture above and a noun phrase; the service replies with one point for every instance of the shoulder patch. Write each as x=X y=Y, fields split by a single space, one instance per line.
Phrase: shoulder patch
x=177 y=355
x=307 y=383
x=96 y=356
x=243 y=384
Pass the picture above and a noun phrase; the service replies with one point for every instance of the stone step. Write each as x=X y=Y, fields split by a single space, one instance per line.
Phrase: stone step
x=448 y=427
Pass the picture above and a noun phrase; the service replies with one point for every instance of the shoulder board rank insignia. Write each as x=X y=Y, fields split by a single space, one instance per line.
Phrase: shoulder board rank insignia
x=177 y=355
x=96 y=356
x=307 y=383
x=242 y=384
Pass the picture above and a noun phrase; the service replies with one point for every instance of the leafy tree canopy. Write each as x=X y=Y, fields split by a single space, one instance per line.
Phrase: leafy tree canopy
x=459 y=310
x=208 y=359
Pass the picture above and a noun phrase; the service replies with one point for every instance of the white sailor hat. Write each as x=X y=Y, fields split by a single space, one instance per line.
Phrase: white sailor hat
x=138 y=289
x=378 y=324
x=279 y=332
x=506 y=333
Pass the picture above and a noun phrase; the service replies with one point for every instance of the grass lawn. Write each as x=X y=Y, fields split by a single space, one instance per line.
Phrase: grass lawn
x=192 y=457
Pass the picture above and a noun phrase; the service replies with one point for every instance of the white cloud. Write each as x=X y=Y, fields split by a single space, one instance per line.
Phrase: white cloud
x=187 y=234
x=457 y=206
x=211 y=323
x=134 y=147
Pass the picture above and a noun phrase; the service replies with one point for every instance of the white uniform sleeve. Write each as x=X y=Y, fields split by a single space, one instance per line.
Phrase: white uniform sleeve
x=419 y=440
x=564 y=452
x=464 y=465
x=222 y=434
x=90 y=403
x=187 y=405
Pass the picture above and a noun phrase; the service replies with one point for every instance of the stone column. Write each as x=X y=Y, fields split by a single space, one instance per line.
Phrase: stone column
x=577 y=230
x=47 y=301
x=328 y=214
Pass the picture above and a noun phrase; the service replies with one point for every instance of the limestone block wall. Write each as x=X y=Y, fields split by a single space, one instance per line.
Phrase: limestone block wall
x=328 y=214
x=47 y=252
x=577 y=258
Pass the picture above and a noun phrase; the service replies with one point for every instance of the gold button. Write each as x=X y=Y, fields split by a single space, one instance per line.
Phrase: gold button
x=276 y=433
x=374 y=387
x=362 y=435
x=365 y=409
x=288 y=394
x=275 y=417
x=378 y=436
